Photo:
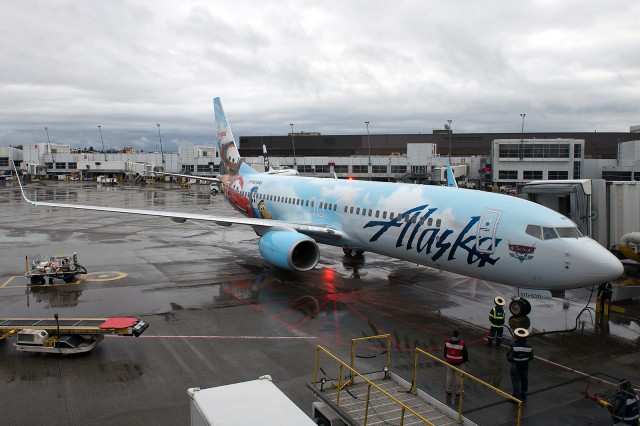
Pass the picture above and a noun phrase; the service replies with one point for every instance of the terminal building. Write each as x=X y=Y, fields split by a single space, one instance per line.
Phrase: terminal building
x=479 y=159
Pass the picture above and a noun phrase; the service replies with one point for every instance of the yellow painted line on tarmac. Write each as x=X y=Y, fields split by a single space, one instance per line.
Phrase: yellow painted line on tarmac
x=92 y=277
x=9 y=280
x=104 y=276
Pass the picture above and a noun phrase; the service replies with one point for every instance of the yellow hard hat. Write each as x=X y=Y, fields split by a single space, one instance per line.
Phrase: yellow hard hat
x=521 y=332
x=499 y=300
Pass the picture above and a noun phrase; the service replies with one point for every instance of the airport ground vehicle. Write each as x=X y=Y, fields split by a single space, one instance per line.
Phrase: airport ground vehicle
x=64 y=268
x=247 y=403
x=66 y=336
x=104 y=180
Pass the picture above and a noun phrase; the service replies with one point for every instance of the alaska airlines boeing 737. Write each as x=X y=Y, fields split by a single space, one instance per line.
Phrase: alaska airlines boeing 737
x=485 y=235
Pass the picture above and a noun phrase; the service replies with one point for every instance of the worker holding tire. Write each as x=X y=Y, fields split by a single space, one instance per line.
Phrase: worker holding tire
x=496 y=318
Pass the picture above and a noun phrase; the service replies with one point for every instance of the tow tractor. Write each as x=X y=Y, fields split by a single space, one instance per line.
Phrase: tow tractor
x=59 y=267
x=66 y=336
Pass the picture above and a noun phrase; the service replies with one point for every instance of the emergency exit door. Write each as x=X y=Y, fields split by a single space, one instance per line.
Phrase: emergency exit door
x=486 y=236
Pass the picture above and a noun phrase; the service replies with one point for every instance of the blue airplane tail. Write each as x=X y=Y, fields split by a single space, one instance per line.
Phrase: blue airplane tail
x=451 y=180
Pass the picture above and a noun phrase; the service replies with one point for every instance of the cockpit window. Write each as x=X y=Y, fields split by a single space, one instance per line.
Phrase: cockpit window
x=569 y=232
x=549 y=233
x=544 y=233
x=535 y=231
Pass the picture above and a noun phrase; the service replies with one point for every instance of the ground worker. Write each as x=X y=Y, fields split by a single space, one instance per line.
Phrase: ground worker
x=496 y=318
x=519 y=356
x=455 y=353
x=603 y=298
x=625 y=409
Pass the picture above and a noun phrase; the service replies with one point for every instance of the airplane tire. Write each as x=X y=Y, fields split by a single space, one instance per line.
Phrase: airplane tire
x=520 y=307
x=323 y=422
x=359 y=252
x=516 y=308
x=347 y=251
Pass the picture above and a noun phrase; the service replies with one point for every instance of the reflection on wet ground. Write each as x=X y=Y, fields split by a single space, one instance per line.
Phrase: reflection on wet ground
x=194 y=273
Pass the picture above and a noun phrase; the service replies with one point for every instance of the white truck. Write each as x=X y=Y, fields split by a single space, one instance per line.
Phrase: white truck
x=256 y=402
x=104 y=180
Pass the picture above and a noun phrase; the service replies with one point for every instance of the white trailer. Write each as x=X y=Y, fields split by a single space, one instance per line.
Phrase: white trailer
x=256 y=402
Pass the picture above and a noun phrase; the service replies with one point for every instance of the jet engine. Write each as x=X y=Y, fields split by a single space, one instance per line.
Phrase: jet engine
x=289 y=250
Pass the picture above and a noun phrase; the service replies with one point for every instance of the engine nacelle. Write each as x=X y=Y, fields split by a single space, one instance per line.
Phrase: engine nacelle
x=289 y=250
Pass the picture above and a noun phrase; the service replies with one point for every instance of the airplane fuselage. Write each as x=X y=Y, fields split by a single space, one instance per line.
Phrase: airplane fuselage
x=484 y=235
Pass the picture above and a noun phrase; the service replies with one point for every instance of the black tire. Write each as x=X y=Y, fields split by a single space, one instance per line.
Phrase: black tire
x=359 y=252
x=527 y=306
x=347 y=251
x=35 y=279
x=69 y=278
x=323 y=421
x=516 y=307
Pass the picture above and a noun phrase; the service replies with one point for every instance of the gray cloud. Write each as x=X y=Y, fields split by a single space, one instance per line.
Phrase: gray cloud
x=325 y=66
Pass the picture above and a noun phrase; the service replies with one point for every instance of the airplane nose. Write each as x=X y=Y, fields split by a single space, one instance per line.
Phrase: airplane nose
x=597 y=264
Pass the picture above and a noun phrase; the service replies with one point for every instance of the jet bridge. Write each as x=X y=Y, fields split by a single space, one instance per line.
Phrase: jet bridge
x=581 y=200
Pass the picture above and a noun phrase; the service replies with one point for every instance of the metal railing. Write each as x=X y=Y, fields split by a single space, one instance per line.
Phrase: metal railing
x=353 y=373
x=348 y=380
x=463 y=374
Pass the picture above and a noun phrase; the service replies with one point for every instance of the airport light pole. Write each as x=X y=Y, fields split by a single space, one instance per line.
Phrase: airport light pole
x=105 y=152
x=161 y=151
x=49 y=141
x=368 y=144
x=521 y=153
x=293 y=143
x=447 y=126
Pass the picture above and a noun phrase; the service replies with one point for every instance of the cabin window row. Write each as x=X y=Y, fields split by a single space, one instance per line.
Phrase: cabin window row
x=287 y=200
x=383 y=214
x=379 y=214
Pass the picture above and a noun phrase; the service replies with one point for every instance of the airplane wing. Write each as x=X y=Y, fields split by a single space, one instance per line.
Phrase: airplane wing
x=260 y=226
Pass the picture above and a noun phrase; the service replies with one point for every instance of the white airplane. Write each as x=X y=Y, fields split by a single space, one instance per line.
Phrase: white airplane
x=485 y=235
x=269 y=170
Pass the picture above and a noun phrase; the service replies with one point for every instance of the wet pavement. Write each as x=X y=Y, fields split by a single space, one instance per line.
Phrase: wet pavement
x=219 y=314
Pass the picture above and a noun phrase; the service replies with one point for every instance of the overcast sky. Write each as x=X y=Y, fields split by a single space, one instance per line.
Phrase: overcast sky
x=326 y=66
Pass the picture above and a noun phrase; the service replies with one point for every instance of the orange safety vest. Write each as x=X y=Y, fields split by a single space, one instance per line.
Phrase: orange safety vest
x=454 y=351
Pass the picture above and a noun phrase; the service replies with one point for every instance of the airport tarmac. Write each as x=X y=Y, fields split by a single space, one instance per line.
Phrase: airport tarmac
x=219 y=314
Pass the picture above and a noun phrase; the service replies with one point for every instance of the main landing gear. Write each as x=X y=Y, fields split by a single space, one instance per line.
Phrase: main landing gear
x=348 y=251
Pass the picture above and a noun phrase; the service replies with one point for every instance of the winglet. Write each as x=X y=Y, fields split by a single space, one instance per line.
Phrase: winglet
x=20 y=183
x=451 y=180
